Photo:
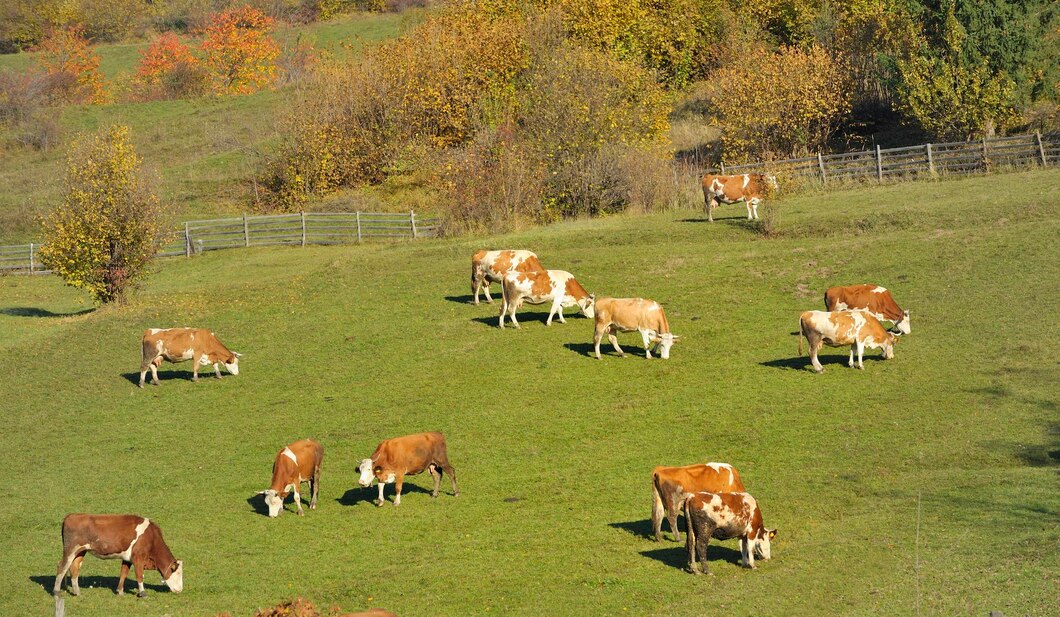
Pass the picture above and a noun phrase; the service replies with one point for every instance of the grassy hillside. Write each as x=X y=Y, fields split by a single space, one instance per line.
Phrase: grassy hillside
x=552 y=448
x=203 y=150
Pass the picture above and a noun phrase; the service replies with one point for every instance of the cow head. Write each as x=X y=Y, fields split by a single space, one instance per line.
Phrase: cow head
x=888 y=345
x=274 y=501
x=761 y=544
x=232 y=363
x=367 y=470
x=771 y=181
x=663 y=343
x=175 y=580
x=587 y=305
x=903 y=323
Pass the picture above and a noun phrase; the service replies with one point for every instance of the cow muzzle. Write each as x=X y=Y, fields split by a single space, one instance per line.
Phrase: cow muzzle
x=175 y=582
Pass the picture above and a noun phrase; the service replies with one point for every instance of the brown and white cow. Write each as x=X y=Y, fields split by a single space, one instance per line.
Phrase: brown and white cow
x=613 y=315
x=557 y=287
x=874 y=299
x=837 y=328
x=749 y=188
x=135 y=540
x=725 y=516
x=297 y=463
x=398 y=457
x=670 y=486
x=181 y=344
x=491 y=266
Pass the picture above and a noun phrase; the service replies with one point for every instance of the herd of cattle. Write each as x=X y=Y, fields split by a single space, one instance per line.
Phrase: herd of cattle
x=711 y=496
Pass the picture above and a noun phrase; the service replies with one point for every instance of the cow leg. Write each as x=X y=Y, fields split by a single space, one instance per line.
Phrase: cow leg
x=557 y=308
x=216 y=370
x=476 y=285
x=711 y=204
x=195 y=358
x=75 y=572
x=436 y=475
x=598 y=334
x=511 y=314
x=154 y=374
x=671 y=517
x=380 y=501
x=754 y=206
x=747 y=548
x=314 y=489
x=447 y=468
x=60 y=571
x=398 y=483
x=486 y=288
x=121 y=578
x=861 y=354
x=614 y=342
x=298 y=500
x=814 y=345
x=504 y=309
x=647 y=343
x=850 y=362
x=143 y=374
x=139 y=566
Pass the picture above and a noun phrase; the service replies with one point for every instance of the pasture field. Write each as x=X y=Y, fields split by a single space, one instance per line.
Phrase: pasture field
x=553 y=449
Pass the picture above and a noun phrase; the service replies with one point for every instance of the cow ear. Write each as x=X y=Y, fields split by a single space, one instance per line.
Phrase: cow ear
x=237 y=354
x=378 y=470
x=772 y=533
x=260 y=493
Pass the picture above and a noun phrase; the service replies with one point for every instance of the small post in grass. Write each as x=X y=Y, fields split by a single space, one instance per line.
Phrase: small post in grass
x=879 y=164
x=303 y=228
x=986 y=160
x=31 y=258
x=931 y=161
x=246 y=231
x=1041 y=149
x=820 y=165
x=358 y=227
x=412 y=219
x=187 y=240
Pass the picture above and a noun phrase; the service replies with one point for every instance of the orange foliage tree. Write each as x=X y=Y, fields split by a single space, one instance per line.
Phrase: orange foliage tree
x=240 y=54
x=161 y=57
x=72 y=67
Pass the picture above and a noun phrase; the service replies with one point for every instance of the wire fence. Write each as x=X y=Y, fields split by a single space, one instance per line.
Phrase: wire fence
x=910 y=162
x=298 y=229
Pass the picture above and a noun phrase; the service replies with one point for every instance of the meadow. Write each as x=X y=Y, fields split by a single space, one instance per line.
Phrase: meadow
x=927 y=483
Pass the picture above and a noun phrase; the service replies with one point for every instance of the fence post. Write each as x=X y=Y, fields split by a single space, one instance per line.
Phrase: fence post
x=358 y=226
x=879 y=164
x=31 y=258
x=931 y=161
x=187 y=241
x=1041 y=149
x=721 y=164
x=303 y=228
x=412 y=219
x=986 y=161
x=820 y=164
x=246 y=231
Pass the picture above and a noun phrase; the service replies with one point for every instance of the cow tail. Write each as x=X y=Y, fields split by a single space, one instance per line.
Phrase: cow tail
x=657 y=508
x=801 y=334
x=690 y=533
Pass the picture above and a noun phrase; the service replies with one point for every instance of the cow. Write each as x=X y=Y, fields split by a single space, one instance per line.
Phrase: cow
x=180 y=344
x=873 y=299
x=837 y=328
x=725 y=516
x=541 y=286
x=670 y=486
x=750 y=188
x=613 y=315
x=296 y=463
x=135 y=540
x=491 y=266
x=395 y=458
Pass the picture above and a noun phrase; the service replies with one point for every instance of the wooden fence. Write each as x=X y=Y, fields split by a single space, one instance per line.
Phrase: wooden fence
x=298 y=229
x=962 y=157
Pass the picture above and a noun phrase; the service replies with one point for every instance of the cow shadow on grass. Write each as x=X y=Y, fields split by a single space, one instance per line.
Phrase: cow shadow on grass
x=468 y=299
x=589 y=350
x=641 y=529
x=358 y=495
x=802 y=363
x=92 y=583
x=676 y=555
x=26 y=311
x=257 y=501
x=164 y=376
x=728 y=220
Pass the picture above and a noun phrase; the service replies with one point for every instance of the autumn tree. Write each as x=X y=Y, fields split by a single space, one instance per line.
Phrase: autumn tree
x=780 y=103
x=168 y=69
x=71 y=64
x=110 y=224
x=240 y=53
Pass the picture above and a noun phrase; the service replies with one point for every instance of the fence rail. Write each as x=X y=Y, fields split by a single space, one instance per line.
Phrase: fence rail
x=299 y=229
x=962 y=157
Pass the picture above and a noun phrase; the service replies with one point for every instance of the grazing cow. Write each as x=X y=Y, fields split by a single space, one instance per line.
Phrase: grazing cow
x=615 y=315
x=180 y=344
x=670 y=486
x=837 y=328
x=134 y=540
x=491 y=266
x=873 y=299
x=297 y=463
x=725 y=516
x=395 y=458
x=750 y=188
x=541 y=286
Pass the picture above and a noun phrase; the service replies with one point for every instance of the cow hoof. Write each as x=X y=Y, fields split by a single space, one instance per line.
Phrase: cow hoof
x=120 y=592
x=301 y=513
x=141 y=594
x=695 y=571
x=140 y=385
x=74 y=592
x=434 y=495
x=155 y=383
x=378 y=503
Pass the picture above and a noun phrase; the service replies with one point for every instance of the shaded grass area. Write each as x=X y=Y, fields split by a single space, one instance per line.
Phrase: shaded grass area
x=204 y=151
x=553 y=449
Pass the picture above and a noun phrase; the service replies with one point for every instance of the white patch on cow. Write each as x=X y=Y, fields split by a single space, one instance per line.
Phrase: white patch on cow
x=289 y=454
x=233 y=368
x=188 y=353
x=126 y=555
x=290 y=488
x=654 y=307
x=879 y=290
x=841 y=306
x=717 y=467
x=205 y=360
x=746 y=180
x=390 y=478
x=175 y=582
x=157 y=330
x=666 y=341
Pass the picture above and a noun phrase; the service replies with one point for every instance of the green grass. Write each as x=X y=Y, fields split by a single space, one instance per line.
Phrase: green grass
x=204 y=151
x=553 y=449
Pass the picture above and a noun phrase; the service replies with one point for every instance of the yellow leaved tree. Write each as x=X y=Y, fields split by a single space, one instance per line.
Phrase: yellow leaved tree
x=110 y=224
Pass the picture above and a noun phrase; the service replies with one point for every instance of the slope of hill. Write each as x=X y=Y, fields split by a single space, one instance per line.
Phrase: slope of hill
x=203 y=150
x=553 y=449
